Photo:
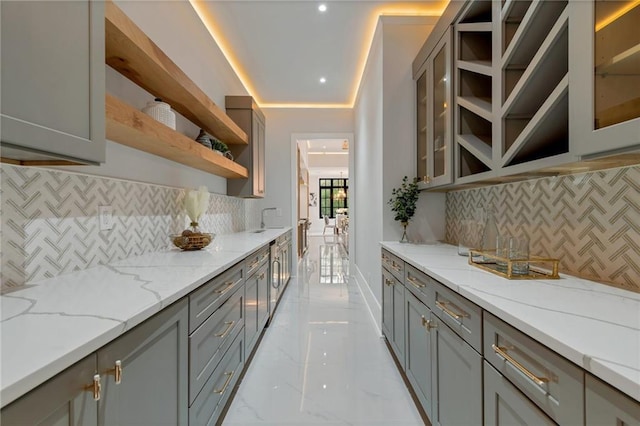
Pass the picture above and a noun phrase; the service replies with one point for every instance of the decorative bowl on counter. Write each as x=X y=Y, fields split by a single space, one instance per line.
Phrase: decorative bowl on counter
x=192 y=240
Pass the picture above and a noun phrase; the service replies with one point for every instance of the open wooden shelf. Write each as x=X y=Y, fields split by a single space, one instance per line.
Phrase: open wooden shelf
x=128 y=126
x=137 y=57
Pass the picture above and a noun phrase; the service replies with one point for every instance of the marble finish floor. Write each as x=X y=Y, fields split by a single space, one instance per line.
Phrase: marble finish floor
x=321 y=361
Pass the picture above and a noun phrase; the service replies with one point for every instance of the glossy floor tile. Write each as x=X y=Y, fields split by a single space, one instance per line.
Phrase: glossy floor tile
x=321 y=361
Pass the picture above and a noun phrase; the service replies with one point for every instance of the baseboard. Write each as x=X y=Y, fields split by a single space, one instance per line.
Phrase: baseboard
x=375 y=310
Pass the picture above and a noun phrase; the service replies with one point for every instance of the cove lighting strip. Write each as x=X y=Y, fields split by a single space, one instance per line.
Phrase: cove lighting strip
x=398 y=9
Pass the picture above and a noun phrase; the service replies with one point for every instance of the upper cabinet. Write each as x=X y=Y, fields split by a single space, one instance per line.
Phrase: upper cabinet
x=244 y=111
x=524 y=104
x=606 y=106
x=53 y=82
x=434 y=142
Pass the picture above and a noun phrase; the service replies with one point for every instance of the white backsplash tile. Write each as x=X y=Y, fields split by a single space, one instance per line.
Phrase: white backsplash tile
x=49 y=221
x=590 y=221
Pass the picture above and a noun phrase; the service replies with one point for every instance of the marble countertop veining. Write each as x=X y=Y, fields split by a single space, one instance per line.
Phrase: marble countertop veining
x=593 y=325
x=47 y=326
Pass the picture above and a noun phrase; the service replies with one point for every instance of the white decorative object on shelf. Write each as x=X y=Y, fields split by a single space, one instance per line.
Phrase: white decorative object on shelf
x=161 y=111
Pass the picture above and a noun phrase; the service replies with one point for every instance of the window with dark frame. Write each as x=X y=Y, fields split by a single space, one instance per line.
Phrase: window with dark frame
x=330 y=200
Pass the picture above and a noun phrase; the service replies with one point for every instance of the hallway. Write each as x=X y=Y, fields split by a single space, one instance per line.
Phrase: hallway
x=321 y=361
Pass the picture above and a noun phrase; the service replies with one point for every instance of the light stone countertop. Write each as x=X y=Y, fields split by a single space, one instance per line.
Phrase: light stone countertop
x=47 y=326
x=595 y=326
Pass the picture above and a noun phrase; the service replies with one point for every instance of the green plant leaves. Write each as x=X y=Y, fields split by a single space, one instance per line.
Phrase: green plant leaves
x=404 y=199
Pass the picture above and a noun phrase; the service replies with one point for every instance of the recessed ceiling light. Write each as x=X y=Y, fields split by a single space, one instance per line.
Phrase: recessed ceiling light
x=323 y=80
x=322 y=8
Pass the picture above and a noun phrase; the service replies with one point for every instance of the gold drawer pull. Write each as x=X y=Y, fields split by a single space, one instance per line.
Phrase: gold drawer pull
x=415 y=282
x=428 y=324
x=387 y=281
x=502 y=351
x=229 y=375
x=395 y=266
x=253 y=265
x=226 y=331
x=117 y=372
x=452 y=314
x=227 y=286
x=95 y=387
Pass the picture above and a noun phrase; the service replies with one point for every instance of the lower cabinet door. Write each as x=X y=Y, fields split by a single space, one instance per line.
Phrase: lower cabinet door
x=418 y=350
x=144 y=372
x=263 y=296
x=209 y=404
x=606 y=406
x=388 y=282
x=505 y=405
x=251 y=313
x=66 y=399
x=398 y=322
x=457 y=379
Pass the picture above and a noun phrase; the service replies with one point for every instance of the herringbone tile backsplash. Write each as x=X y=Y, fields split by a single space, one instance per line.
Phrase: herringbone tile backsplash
x=50 y=221
x=591 y=221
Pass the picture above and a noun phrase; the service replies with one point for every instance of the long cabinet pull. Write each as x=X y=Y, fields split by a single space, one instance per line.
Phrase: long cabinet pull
x=117 y=372
x=226 y=331
x=502 y=351
x=428 y=324
x=452 y=314
x=395 y=266
x=387 y=281
x=229 y=375
x=227 y=286
x=415 y=282
x=253 y=265
x=95 y=387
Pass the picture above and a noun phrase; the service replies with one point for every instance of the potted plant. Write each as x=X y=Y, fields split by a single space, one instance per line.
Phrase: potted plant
x=403 y=203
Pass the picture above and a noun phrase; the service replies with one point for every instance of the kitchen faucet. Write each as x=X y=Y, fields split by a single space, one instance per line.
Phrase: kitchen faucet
x=262 y=215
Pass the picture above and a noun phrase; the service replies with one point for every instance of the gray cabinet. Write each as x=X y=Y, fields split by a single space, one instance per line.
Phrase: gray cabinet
x=145 y=372
x=245 y=113
x=66 y=399
x=605 y=102
x=456 y=378
x=388 y=282
x=256 y=312
x=418 y=350
x=504 y=405
x=53 y=83
x=606 y=406
x=393 y=313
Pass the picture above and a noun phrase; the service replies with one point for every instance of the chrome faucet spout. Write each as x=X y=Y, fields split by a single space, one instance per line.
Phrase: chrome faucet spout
x=262 y=215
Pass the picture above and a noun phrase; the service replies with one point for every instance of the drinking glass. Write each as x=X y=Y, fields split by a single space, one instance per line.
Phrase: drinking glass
x=519 y=249
x=502 y=250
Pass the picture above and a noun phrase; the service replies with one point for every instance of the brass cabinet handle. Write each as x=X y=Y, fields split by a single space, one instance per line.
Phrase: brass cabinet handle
x=395 y=266
x=426 y=179
x=452 y=314
x=95 y=387
x=229 y=375
x=227 y=286
x=415 y=282
x=428 y=324
x=502 y=351
x=117 y=372
x=226 y=330
x=387 y=281
x=253 y=265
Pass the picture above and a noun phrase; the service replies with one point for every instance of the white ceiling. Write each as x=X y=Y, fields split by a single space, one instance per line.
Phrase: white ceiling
x=325 y=145
x=281 y=49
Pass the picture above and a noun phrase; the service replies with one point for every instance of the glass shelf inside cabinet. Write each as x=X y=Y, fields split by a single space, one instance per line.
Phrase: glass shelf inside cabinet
x=421 y=120
x=440 y=108
x=616 y=62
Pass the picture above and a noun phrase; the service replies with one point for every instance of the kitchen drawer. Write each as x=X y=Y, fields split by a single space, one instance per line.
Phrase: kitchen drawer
x=211 y=340
x=554 y=384
x=393 y=264
x=463 y=316
x=255 y=260
x=205 y=300
x=210 y=402
x=420 y=284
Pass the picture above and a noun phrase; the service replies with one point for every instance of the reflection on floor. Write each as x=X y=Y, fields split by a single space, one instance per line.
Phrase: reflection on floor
x=321 y=361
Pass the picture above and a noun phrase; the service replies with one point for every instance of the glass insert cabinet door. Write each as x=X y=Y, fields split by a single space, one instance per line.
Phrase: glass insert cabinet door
x=433 y=120
x=605 y=75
